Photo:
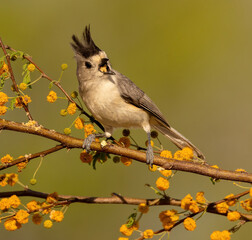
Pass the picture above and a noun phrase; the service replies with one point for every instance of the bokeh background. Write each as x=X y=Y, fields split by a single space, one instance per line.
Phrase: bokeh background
x=193 y=58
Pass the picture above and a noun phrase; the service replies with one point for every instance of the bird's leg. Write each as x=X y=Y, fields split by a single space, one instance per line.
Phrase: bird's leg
x=90 y=138
x=149 y=152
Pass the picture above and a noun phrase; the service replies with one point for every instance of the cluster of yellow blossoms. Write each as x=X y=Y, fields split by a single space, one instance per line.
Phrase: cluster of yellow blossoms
x=15 y=217
x=8 y=159
x=184 y=154
x=128 y=230
x=3 y=100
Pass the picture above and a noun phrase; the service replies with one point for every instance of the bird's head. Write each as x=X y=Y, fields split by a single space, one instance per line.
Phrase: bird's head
x=91 y=61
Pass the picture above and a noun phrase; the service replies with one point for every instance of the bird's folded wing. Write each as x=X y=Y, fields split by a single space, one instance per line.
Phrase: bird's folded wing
x=134 y=95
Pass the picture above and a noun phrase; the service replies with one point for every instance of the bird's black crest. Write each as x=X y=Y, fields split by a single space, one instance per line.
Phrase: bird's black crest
x=87 y=48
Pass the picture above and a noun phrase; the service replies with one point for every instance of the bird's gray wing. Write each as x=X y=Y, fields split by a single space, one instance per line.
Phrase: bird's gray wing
x=134 y=95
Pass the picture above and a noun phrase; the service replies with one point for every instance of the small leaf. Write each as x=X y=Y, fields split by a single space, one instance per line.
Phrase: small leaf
x=50 y=85
x=131 y=220
x=12 y=103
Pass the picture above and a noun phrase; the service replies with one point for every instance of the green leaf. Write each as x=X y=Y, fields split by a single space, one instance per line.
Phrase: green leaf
x=131 y=219
x=12 y=103
x=18 y=54
x=2 y=83
x=27 y=79
x=50 y=85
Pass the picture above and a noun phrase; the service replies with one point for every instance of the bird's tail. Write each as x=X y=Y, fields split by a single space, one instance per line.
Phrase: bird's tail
x=177 y=138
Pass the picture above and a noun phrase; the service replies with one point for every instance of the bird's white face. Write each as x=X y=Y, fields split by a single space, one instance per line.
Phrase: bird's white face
x=93 y=67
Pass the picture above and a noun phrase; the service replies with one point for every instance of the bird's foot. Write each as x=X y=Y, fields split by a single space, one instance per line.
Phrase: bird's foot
x=88 y=141
x=149 y=155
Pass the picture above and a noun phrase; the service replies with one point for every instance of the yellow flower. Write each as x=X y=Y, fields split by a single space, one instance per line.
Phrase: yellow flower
x=51 y=97
x=5 y=204
x=143 y=208
x=89 y=129
x=222 y=207
x=3 y=98
x=153 y=168
x=247 y=204
x=37 y=218
x=124 y=141
x=33 y=206
x=67 y=131
x=56 y=215
x=64 y=66
x=148 y=233
x=186 y=202
x=3 y=180
x=79 y=123
x=162 y=184
x=26 y=99
x=3 y=110
x=7 y=159
x=126 y=231
x=230 y=200
x=122 y=238
x=250 y=192
x=71 y=109
x=194 y=207
x=233 y=216
x=168 y=218
x=45 y=207
x=22 y=165
x=63 y=112
x=217 y=235
x=31 y=67
x=135 y=226
x=126 y=161
x=240 y=170
x=146 y=143
x=187 y=153
x=166 y=154
x=178 y=155
x=12 y=178
x=11 y=224
x=225 y=235
x=184 y=154
x=23 y=86
x=52 y=198
x=215 y=166
x=14 y=201
x=85 y=157
x=4 y=70
x=22 y=216
x=48 y=224
x=200 y=198
x=189 y=224
x=166 y=173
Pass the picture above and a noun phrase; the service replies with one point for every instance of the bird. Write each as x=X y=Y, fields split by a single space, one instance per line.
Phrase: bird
x=115 y=101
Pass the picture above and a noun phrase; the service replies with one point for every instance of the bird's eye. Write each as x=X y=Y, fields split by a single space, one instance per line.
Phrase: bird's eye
x=88 y=64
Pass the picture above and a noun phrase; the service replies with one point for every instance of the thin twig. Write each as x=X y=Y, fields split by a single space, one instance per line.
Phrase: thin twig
x=14 y=81
x=29 y=157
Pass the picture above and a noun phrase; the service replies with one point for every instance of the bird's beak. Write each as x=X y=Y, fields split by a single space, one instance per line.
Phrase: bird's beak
x=109 y=72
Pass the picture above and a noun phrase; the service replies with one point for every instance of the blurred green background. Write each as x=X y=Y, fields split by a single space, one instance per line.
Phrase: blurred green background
x=193 y=58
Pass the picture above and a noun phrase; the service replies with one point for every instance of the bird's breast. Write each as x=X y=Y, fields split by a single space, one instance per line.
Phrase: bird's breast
x=105 y=103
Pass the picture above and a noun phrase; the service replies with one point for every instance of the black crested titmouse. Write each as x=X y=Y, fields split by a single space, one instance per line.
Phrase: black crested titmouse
x=115 y=101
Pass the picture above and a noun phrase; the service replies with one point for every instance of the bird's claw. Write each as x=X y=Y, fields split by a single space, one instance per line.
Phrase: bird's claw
x=88 y=141
x=149 y=155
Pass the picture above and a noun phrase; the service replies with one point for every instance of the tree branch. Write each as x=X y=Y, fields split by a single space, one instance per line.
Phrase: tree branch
x=14 y=81
x=31 y=156
x=170 y=164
